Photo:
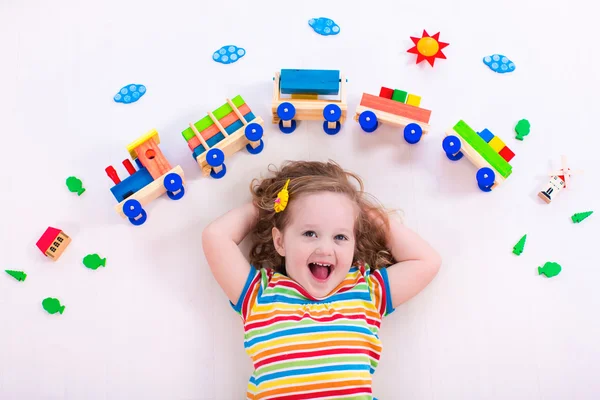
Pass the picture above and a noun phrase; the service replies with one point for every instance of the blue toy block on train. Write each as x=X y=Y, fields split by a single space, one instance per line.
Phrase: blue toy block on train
x=310 y=95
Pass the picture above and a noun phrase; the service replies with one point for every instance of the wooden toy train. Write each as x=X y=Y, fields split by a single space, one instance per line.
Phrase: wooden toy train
x=394 y=107
x=486 y=151
x=310 y=95
x=153 y=178
x=224 y=132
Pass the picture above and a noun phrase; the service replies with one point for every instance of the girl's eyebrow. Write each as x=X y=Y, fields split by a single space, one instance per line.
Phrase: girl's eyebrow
x=338 y=230
x=309 y=226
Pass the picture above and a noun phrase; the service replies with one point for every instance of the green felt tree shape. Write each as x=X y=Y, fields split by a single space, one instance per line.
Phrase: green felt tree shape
x=18 y=275
x=518 y=248
x=578 y=217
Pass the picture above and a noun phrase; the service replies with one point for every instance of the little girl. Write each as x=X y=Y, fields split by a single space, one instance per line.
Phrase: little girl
x=326 y=265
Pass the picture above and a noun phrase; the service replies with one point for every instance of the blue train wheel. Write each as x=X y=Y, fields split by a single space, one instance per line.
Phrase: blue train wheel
x=332 y=112
x=253 y=132
x=134 y=212
x=285 y=129
x=215 y=157
x=368 y=121
x=174 y=185
x=413 y=133
x=451 y=146
x=333 y=131
x=256 y=150
x=220 y=174
x=286 y=112
x=485 y=179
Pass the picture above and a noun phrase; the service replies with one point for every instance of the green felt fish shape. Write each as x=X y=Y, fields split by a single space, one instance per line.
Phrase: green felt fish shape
x=93 y=261
x=52 y=305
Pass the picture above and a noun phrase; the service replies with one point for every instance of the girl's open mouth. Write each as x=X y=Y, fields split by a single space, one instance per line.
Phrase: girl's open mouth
x=320 y=271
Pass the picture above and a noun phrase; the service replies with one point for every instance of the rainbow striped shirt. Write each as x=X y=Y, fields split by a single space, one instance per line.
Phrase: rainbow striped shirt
x=305 y=348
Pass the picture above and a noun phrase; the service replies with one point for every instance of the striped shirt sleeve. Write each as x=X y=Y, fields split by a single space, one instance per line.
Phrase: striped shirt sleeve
x=255 y=283
x=379 y=287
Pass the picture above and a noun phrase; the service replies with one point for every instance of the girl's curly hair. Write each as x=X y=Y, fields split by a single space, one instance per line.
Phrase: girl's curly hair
x=310 y=177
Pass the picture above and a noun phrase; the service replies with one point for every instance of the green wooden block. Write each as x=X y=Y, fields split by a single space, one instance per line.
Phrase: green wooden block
x=399 y=95
x=218 y=113
x=483 y=148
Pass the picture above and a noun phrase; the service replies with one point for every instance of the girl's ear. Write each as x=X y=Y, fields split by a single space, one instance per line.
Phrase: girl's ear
x=278 y=241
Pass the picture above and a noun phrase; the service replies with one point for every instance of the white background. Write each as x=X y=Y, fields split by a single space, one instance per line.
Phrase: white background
x=154 y=324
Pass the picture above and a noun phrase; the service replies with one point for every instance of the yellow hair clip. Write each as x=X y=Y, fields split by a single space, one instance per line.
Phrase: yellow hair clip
x=282 y=198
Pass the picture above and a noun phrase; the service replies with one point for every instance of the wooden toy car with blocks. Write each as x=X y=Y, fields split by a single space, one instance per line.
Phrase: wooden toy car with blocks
x=394 y=107
x=309 y=95
x=222 y=133
x=154 y=177
x=559 y=180
x=486 y=151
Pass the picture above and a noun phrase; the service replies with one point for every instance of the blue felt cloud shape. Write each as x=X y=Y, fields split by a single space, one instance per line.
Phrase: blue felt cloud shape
x=499 y=63
x=130 y=93
x=228 y=54
x=324 y=26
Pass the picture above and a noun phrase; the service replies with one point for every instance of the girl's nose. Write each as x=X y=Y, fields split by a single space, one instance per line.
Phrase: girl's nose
x=324 y=250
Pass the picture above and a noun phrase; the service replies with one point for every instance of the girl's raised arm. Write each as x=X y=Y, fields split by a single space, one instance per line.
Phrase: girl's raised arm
x=220 y=240
x=417 y=262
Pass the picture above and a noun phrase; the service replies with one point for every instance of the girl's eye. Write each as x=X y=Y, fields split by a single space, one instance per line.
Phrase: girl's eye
x=341 y=237
x=310 y=234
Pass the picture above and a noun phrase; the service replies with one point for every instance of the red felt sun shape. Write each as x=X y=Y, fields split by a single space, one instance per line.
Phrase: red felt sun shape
x=427 y=47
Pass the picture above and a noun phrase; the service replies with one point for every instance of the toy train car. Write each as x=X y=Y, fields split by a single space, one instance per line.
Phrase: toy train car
x=485 y=150
x=394 y=107
x=222 y=133
x=153 y=178
x=312 y=95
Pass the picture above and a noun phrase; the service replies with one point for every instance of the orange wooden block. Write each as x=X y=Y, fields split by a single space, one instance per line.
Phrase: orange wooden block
x=213 y=129
x=395 y=107
x=152 y=158
x=193 y=143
